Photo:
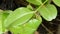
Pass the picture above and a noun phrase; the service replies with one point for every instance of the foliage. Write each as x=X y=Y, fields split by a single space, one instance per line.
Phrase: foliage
x=25 y=20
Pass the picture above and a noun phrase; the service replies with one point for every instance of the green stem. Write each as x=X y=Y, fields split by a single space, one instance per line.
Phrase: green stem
x=40 y=6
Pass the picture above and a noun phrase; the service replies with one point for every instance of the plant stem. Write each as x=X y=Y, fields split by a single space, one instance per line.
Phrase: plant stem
x=40 y=6
x=47 y=29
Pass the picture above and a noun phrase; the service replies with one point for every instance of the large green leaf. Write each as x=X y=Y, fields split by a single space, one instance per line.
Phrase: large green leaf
x=57 y=2
x=19 y=16
x=48 y=12
x=36 y=2
x=27 y=28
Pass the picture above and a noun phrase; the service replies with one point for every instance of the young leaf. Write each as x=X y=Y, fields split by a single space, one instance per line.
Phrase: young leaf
x=27 y=28
x=19 y=16
x=36 y=2
x=57 y=2
x=48 y=12
x=29 y=7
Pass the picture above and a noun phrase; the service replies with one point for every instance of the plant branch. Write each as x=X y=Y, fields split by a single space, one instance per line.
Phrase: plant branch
x=40 y=6
x=47 y=29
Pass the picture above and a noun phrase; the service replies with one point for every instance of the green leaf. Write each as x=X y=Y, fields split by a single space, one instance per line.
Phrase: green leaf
x=43 y=1
x=57 y=2
x=29 y=7
x=27 y=28
x=1 y=23
x=48 y=12
x=48 y=2
x=4 y=16
x=35 y=2
x=6 y=13
x=19 y=17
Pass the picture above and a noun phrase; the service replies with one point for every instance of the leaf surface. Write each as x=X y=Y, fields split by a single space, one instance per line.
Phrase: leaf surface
x=3 y=16
x=57 y=2
x=27 y=28
x=1 y=23
x=36 y=2
x=48 y=12
x=19 y=16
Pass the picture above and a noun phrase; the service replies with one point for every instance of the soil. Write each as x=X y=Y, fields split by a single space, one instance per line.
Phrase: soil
x=46 y=27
